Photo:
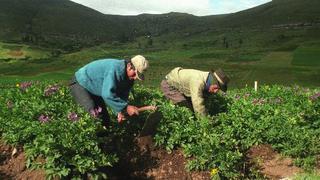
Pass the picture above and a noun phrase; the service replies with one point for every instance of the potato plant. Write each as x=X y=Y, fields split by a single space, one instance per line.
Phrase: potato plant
x=58 y=136
x=288 y=118
x=55 y=133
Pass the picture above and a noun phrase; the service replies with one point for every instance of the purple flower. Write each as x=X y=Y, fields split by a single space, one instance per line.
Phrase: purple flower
x=237 y=97
x=51 y=90
x=315 y=96
x=73 y=116
x=95 y=112
x=24 y=85
x=255 y=101
x=43 y=118
x=258 y=101
x=10 y=104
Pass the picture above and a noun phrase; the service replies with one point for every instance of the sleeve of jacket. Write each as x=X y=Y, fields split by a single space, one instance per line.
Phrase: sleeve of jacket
x=196 y=91
x=109 y=95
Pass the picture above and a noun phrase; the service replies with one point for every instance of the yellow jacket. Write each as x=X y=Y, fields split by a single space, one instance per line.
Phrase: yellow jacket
x=192 y=84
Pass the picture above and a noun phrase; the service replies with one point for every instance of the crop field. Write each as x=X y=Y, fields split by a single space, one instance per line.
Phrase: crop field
x=45 y=134
x=12 y=52
x=269 y=133
x=274 y=67
x=307 y=55
x=269 y=56
x=57 y=136
x=42 y=117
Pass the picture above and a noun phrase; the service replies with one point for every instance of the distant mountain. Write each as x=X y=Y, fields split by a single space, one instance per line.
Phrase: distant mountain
x=275 y=13
x=46 y=20
x=60 y=22
x=50 y=20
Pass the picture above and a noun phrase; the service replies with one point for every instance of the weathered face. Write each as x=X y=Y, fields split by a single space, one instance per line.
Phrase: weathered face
x=214 y=88
x=131 y=72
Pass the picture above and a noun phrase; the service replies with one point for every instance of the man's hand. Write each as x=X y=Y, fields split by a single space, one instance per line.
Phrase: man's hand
x=132 y=110
x=120 y=117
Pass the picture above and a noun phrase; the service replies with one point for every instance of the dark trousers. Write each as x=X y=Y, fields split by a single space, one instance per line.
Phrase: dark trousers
x=89 y=101
x=175 y=96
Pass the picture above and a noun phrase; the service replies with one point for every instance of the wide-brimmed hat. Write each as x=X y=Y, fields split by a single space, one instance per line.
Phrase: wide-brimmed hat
x=222 y=79
x=140 y=64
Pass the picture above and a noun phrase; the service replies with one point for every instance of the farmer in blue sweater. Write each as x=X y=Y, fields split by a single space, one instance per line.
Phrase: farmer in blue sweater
x=108 y=82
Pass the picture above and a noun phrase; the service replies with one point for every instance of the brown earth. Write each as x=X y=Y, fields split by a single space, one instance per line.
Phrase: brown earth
x=271 y=164
x=16 y=53
x=148 y=162
x=13 y=166
x=154 y=164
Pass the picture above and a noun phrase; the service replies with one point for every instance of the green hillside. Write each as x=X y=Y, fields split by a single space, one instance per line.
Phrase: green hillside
x=277 y=12
x=48 y=22
x=44 y=42
x=277 y=42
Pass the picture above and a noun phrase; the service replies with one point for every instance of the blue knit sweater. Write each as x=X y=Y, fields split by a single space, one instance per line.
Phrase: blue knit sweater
x=107 y=78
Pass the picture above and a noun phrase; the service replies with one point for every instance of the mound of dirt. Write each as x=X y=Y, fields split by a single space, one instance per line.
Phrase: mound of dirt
x=148 y=162
x=14 y=166
x=145 y=162
x=270 y=163
x=172 y=166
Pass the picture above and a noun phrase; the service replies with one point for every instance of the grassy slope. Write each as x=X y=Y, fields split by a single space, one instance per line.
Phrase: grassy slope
x=264 y=54
x=62 y=19
x=270 y=66
x=9 y=51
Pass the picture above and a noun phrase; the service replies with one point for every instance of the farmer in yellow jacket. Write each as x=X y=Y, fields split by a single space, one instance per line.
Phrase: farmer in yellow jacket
x=190 y=85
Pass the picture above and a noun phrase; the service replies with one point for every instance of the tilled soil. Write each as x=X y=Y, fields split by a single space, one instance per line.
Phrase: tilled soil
x=271 y=164
x=142 y=164
x=148 y=162
x=14 y=166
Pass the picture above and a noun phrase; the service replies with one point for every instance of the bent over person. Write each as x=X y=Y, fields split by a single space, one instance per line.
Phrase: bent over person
x=191 y=86
x=108 y=82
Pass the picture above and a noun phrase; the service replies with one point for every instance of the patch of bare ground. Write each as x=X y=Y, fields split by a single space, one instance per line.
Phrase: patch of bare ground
x=145 y=161
x=16 y=53
x=14 y=166
x=270 y=163
x=149 y=162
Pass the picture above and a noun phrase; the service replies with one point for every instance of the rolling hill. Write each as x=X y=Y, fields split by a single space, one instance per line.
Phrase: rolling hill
x=49 y=22
x=274 y=13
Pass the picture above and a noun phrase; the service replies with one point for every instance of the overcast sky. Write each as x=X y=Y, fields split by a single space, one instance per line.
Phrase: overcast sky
x=195 y=7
